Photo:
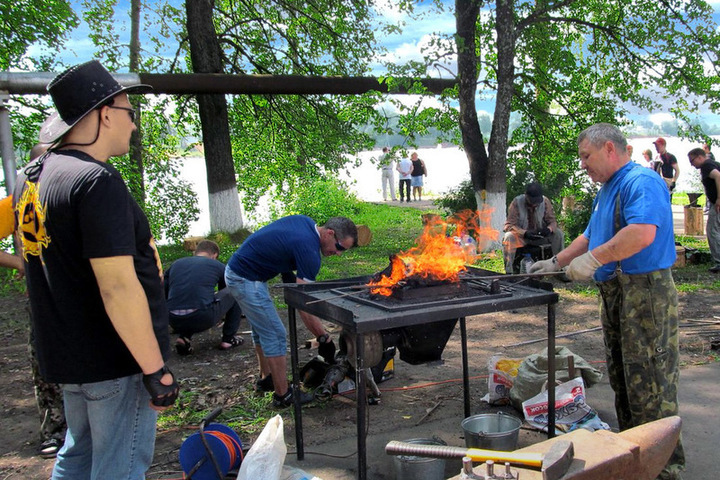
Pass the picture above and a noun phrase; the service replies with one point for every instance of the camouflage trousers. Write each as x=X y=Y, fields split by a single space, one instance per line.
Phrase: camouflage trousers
x=49 y=400
x=639 y=315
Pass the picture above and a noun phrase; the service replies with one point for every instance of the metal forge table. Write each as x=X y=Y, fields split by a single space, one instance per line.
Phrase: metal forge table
x=360 y=317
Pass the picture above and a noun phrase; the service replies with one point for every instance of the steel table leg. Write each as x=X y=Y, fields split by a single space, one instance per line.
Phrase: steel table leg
x=292 y=326
x=466 y=375
x=551 y=370
x=361 y=397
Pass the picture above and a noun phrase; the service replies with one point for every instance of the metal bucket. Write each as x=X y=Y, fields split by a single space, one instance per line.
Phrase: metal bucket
x=492 y=431
x=408 y=467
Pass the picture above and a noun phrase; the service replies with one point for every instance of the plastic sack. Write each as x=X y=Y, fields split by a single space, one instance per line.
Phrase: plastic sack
x=501 y=376
x=266 y=457
x=533 y=373
x=571 y=411
x=292 y=473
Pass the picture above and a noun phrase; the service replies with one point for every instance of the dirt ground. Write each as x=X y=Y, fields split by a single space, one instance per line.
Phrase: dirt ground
x=222 y=377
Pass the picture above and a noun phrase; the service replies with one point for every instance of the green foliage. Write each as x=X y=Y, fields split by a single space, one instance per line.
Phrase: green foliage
x=9 y=283
x=280 y=139
x=319 y=199
x=576 y=219
x=458 y=198
x=246 y=411
x=44 y=23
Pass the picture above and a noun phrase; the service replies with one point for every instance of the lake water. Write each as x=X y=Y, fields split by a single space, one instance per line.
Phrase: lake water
x=446 y=167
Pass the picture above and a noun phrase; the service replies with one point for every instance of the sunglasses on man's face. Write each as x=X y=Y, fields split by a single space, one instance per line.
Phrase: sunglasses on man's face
x=131 y=111
x=338 y=246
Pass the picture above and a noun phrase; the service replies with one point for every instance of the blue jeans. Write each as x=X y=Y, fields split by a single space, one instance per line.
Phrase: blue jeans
x=111 y=431
x=254 y=299
x=206 y=318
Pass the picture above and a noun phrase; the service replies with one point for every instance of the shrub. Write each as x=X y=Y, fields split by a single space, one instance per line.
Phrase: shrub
x=457 y=199
x=320 y=199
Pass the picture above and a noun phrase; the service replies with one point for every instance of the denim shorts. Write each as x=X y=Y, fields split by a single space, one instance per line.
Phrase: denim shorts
x=416 y=181
x=254 y=299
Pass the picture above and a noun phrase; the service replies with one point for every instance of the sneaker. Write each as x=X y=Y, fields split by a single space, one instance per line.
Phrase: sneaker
x=265 y=384
x=50 y=447
x=234 y=341
x=287 y=399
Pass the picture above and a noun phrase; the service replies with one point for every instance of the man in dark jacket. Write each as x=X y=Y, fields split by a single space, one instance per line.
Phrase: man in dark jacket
x=530 y=221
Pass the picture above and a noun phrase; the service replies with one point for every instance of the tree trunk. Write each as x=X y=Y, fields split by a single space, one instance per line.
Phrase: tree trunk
x=205 y=54
x=497 y=148
x=466 y=18
x=137 y=176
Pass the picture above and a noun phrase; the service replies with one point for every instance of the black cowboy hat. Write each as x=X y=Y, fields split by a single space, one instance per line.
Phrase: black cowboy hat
x=78 y=91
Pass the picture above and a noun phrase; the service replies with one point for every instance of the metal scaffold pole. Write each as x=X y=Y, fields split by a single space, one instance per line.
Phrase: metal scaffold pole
x=6 y=145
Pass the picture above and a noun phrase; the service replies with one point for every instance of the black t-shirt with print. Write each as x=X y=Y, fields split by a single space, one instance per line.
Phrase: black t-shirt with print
x=668 y=160
x=708 y=182
x=87 y=212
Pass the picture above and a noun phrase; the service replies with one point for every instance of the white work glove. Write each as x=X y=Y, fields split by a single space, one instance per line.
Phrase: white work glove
x=583 y=268
x=545 y=266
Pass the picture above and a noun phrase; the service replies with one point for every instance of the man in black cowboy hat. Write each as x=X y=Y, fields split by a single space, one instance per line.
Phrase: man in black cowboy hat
x=94 y=280
x=530 y=221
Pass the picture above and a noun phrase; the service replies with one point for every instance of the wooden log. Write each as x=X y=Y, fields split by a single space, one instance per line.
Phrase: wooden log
x=364 y=235
x=190 y=243
x=693 y=221
x=680 y=259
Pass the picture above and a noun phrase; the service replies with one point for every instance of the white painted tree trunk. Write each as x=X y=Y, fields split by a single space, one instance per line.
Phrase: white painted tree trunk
x=496 y=202
x=225 y=211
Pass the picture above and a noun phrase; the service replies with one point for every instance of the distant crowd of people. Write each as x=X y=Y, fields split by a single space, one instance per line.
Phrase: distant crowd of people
x=410 y=171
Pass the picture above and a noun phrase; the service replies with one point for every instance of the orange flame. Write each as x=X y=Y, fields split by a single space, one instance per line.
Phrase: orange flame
x=442 y=250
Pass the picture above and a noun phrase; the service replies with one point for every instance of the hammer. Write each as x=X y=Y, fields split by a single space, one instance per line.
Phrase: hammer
x=553 y=464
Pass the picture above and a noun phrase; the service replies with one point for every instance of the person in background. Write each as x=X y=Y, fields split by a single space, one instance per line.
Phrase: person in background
x=666 y=165
x=647 y=159
x=48 y=396
x=710 y=176
x=416 y=176
x=94 y=280
x=293 y=243
x=708 y=154
x=404 y=168
x=387 y=165
x=628 y=248
x=7 y=222
x=530 y=221
x=194 y=304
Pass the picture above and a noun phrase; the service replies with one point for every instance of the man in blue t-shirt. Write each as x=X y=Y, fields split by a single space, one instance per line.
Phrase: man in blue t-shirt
x=710 y=175
x=293 y=243
x=628 y=248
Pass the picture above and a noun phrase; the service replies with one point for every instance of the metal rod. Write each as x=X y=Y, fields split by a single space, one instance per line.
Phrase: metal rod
x=511 y=276
x=564 y=335
x=294 y=364
x=322 y=284
x=361 y=401
x=465 y=374
x=551 y=370
x=7 y=151
x=503 y=276
x=331 y=298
